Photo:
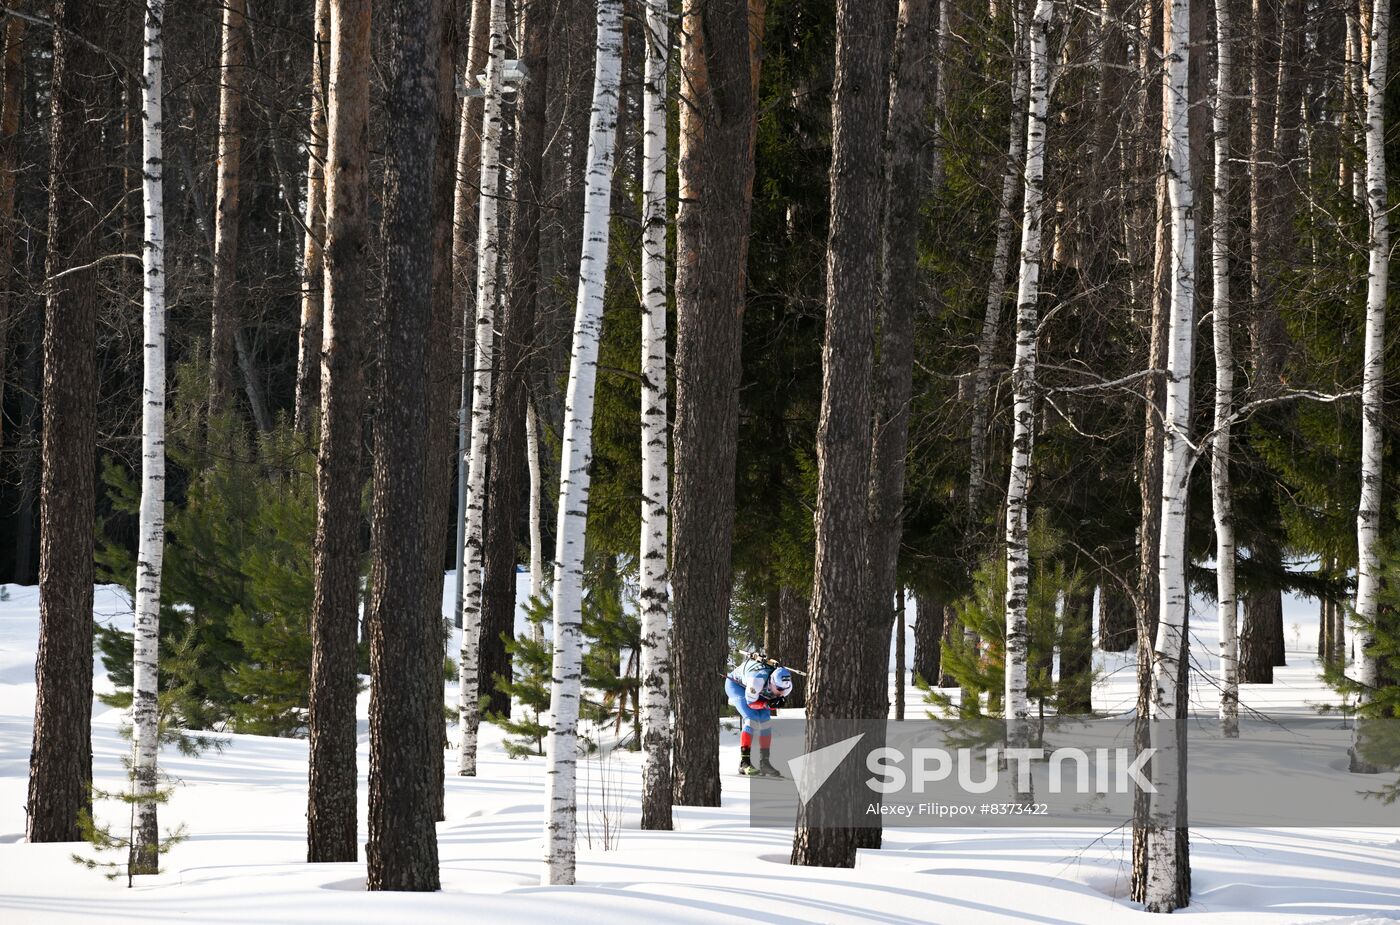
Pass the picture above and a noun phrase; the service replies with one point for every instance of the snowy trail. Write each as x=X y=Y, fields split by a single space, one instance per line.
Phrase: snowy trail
x=245 y=813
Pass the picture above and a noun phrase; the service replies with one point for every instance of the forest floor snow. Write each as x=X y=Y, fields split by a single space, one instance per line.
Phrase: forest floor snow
x=244 y=860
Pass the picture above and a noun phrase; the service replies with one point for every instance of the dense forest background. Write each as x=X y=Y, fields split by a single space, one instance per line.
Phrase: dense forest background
x=1298 y=255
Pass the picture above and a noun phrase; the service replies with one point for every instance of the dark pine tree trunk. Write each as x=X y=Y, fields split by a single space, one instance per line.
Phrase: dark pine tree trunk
x=1261 y=636
x=60 y=763
x=900 y=656
x=405 y=635
x=1077 y=653
x=906 y=136
x=331 y=795
x=1117 y=617
x=796 y=634
x=712 y=224
x=773 y=622
x=906 y=139
x=928 y=638
x=443 y=375
x=953 y=634
x=505 y=468
x=841 y=587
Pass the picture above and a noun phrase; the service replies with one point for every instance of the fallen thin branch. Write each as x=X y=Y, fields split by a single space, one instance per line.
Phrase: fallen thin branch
x=109 y=258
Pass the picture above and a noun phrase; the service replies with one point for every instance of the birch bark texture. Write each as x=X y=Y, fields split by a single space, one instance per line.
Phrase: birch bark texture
x=332 y=805
x=1023 y=378
x=12 y=78
x=654 y=593
x=464 y=244
x=1368 y=513
x=1166 y=886
x=312 y=260
x=561 y=757
x=1222 y=502
x=487 y=283
x=145 y=706
x=996 y=288
x=532 y=459
x=516 y=345
x=223 y=323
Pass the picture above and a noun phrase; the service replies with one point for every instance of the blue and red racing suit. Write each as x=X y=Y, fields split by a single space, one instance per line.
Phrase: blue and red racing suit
x=748 y=689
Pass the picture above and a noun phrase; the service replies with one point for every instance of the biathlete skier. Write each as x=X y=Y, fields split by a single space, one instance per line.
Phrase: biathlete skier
x=757 y=688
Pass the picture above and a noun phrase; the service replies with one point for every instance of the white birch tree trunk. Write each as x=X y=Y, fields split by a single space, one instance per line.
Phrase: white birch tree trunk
x=655 y=598
x=996 y=292
x=561 y=758
x=1221 y=497
x=465 y=238
x=145 y=706
x=1368 y=514
x=487 y=281
x=938 y=156
x=1017 y=702
x=314 y=229
x=532 y=459
x=1162 y=889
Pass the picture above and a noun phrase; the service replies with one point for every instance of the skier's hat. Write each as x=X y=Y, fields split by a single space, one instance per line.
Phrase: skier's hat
x=780 y=681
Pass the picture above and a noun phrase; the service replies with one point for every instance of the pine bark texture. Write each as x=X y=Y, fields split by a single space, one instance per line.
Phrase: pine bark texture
x=905 y=176
x=1260 y=635
x=1117 y=617
x=717 y=110
x=928 y=638
x=60 y=762
x=1075 y=695
x=654 y=593
x=335 y=610
x=900 y=655
x=405 y=637
x=145 y=707
x=841 y=585
x=795 y=612
x=443 y=366
x=561 y=748
x=906 y=137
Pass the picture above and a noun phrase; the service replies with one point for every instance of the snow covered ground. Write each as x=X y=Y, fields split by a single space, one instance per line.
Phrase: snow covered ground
x=245 y=813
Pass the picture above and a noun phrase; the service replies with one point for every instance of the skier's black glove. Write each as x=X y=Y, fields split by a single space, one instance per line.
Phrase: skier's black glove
x=774 y=704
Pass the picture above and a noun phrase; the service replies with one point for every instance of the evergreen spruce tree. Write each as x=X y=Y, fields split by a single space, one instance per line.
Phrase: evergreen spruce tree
x=532 y=656
x=978 y=670
x=612 y=631
x=236 y=590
